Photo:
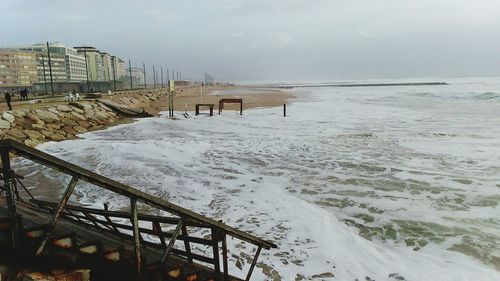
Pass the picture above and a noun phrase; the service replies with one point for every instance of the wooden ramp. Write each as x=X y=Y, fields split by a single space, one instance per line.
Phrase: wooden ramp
x=113 y=245
x=124 y=110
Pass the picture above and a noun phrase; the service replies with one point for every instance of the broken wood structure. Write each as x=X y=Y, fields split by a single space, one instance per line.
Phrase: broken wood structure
x=223 y=101
x=124 y=110
x=114 y=245
x=209 y=105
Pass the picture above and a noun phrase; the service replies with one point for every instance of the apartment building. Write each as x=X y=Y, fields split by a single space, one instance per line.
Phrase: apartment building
x=74 y=62
x=17 y=68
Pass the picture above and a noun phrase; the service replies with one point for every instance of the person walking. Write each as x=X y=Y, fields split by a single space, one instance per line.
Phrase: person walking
x=8 y=99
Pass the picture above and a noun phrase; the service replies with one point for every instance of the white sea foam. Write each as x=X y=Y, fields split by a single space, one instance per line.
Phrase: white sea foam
x=378 y=183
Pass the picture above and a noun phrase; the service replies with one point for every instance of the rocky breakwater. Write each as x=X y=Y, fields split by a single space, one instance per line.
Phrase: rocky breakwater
x=65 y=121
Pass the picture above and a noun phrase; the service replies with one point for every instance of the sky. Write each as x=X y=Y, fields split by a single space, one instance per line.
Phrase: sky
x=273 y=40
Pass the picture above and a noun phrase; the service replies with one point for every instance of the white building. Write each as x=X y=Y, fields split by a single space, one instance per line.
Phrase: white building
x=74 y=62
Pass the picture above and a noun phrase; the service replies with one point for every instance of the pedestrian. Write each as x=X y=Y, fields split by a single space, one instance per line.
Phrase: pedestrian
x=26 y=93
x=8 y=99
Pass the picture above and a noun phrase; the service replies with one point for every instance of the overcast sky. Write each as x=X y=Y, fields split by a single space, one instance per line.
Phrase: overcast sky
x=273 y=39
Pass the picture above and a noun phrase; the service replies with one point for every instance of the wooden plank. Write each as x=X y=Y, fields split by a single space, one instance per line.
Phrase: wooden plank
x=114 y=186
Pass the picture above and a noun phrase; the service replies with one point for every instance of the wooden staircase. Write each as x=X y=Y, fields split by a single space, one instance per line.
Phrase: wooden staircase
x=48 y=237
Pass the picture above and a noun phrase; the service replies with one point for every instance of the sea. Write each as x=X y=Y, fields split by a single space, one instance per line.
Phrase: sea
x=355 y=183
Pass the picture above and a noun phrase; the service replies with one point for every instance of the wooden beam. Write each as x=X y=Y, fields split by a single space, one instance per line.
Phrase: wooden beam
x=57 y=213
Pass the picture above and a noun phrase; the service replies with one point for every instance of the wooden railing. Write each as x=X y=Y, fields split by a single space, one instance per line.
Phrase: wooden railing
x=107 y=220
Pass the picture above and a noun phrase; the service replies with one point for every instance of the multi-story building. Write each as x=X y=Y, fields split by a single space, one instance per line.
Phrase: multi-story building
x=74 y=62
x=17 y=68
x=118 y=67
x=57 y=66
x=107 y=66
x=94 y=63
x=137 y=77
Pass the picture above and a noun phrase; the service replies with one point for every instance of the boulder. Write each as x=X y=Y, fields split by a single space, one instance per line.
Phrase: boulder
x=101 y=116
x=53 y=126
x=46 y=116
x=37 y=127
x=31 y=115
x=103 y=106
x=47 y=134
x=8 y=117
x=81 y=105
x=57 y=137
x=80 y=129
x=53 y=110
x=34 y=135
x=4 y=124
x=69 y=130
x=20 y=113
x=30 y=142
x=89 y=113
x=69 y=122
x=84 y=124
x=64 y=108
x=78 y=116
x=16 y=134
x=76 y=109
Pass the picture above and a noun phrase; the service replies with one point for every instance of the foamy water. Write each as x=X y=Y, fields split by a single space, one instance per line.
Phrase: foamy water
x=375 y=183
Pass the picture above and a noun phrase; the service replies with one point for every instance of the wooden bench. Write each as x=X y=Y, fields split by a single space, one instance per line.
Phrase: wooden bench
x=222 y=101
x=209 y=105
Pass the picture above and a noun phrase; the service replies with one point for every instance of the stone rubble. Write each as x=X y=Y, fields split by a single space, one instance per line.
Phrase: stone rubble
x=65 y=121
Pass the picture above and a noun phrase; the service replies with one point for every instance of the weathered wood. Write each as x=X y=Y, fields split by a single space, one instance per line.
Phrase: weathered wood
x=151 y=251
x=224 y=258
x=11 y=203
x=137 y=240
x=254 y=262
x=122 y=189
x=57 y=213
x=186 y=243
x=209 y=105
x=223 y=101
x=171 y=242
x=215 y=250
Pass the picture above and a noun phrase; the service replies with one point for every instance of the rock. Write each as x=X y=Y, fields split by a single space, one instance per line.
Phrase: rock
x=64 y=108
x=20 y=113
x=57 y=137
x=32 y=116
x=80 y=129
x=9 y=117
x=69 y=122
x=70 y=136
x=47 y=134
x=16 y=134
x=46 y=116
x=4 y=124
x=85 y=124
x=89 y=113
x=101 y=116
x=81 y=105
x=105 y=107
x=76 y=109
x=53 y=110
x=69 y=130
x=78 y=116
x=37 y=127
x=30 y=143
x=54 y=126
x=34 y=135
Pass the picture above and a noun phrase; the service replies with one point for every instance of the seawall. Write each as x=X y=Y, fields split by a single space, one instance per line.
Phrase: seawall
x=64 y=121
